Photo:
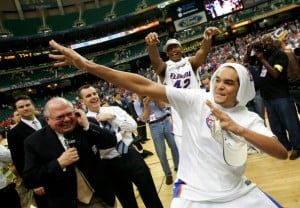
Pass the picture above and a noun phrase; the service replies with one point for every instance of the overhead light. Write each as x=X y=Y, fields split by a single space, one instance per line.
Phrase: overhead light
x=79 y=23
x=44 y=29
x=4 y=33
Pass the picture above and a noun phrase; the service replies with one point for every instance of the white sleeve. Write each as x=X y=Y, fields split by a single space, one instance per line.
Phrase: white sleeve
x=5 y=156
x=184 y=99
x=123 y=120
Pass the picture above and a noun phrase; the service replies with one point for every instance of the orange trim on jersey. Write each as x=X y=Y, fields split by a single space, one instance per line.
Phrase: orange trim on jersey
x=178 y=188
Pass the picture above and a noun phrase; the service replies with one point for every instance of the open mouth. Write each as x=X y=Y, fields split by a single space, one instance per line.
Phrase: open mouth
x=94 y=101
x=67 y=125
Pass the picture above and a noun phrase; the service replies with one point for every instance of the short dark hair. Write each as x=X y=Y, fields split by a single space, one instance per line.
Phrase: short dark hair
x=204 y=76
x=2 y=132
x=82 y=88
x=116 y=93
x=21 y=97
x=230 y=56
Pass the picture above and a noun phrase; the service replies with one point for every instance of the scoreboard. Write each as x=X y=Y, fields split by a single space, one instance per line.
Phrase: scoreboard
x=13 y=56
x=186 y=14
x=184 y=8
x=12 y=60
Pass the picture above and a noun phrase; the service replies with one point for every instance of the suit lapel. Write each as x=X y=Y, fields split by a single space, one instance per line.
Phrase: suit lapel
x=26 y=129
x=52 y=141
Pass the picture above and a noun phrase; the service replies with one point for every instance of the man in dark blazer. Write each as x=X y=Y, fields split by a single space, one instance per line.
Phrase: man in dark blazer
x=118 y=101
x=51 y=162
x=132 y=106
x=15 y=138
x=125 y=169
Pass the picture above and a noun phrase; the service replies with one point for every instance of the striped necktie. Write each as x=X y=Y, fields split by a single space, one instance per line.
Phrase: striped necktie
x=121 y=147
x=36 y=125
x=84 y=189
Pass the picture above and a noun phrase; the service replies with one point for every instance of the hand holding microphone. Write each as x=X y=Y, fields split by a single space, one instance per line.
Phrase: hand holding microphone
x=69 y=156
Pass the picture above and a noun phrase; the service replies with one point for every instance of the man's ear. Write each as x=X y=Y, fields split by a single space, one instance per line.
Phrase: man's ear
x=46 y=119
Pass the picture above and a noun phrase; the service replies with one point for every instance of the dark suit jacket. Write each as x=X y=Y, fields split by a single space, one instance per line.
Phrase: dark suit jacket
x=133 y=113
x=42 y=169
x=15 y=139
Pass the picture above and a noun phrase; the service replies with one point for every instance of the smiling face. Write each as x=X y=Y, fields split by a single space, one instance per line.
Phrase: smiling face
x=226 y=87
x=60 y=116
x=174 y=52
x=90 y=98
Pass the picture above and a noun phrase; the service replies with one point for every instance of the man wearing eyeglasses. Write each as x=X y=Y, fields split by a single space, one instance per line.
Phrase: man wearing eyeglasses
x=28 y=124
x=67 y=147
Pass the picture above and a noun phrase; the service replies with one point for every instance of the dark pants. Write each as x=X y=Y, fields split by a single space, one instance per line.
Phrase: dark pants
x=129 y=169
x=9 y=197
x=257 y=105
x=41 y=201
x=295 y=94
x=142 y=131
x=284 y=122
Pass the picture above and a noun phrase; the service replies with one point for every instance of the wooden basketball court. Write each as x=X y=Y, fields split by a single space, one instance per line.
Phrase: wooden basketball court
x=279 y=178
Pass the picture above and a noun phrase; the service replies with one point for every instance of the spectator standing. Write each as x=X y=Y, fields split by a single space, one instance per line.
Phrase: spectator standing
x=230 y=59
x=9 y=197
x=205 y=81
x=16 y=118
x=178 y=71
x=3 y=140
x=282 y=114
x=117 y=101
x=254 y=66
x=66 y=150
x=134 y=111
x=141 y=138
x=158 y=117
x=124 y=169
x=28 y=124
x=293 y=72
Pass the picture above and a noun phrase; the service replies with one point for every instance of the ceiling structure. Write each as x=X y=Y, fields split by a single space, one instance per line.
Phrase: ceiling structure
x=23 y=9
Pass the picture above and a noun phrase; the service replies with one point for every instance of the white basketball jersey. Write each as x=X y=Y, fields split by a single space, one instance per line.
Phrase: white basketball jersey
x=180 y=75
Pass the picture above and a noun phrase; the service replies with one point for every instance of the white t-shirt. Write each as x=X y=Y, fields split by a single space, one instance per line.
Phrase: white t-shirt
x=180 y=75
x=205 y=175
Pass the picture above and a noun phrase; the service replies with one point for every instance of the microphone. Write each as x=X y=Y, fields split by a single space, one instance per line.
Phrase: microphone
x=69 y=140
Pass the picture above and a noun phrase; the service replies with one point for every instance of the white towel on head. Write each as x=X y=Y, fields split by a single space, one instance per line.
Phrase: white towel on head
x=246 y=91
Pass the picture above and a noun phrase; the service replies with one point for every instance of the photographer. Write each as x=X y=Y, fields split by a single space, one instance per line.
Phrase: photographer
x=254 y=66
x=274 y=88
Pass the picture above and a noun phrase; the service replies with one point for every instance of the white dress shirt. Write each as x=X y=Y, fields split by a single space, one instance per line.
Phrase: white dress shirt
x=123 y=121
x=35 y=126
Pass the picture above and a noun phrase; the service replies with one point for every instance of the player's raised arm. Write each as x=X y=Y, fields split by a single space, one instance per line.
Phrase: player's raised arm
x=129 y=81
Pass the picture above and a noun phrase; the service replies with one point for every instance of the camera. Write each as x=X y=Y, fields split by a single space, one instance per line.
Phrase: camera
x=297 y=51
x=258 y=48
